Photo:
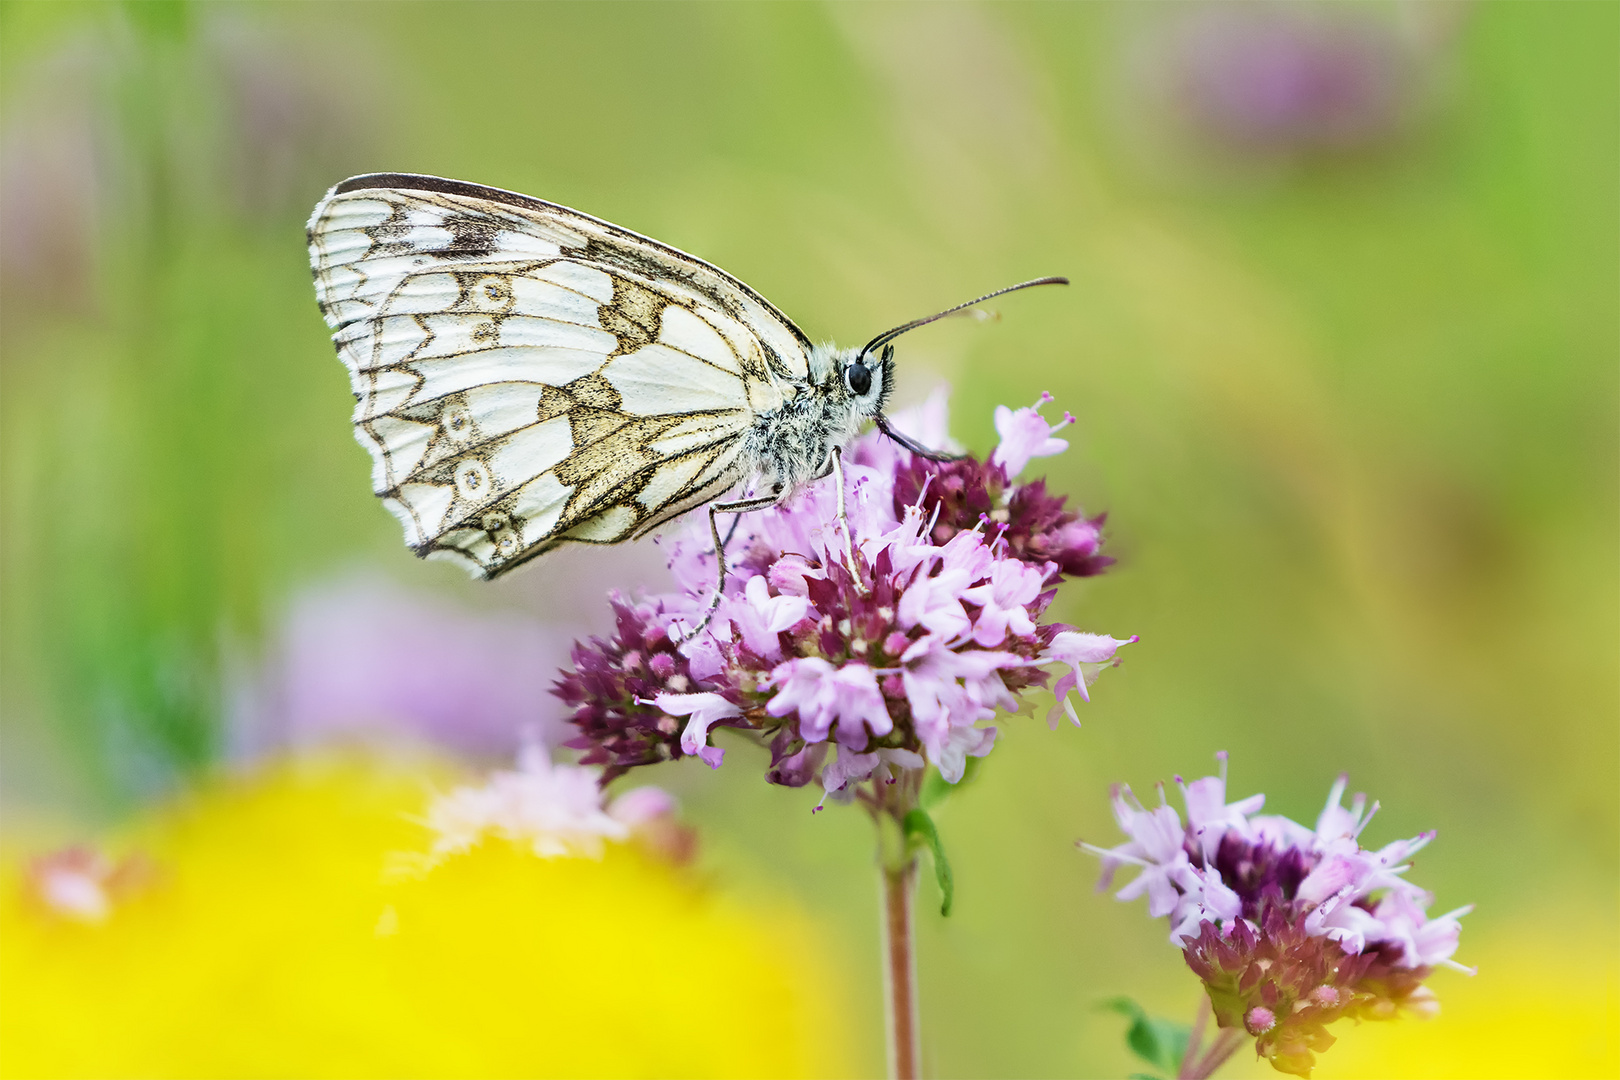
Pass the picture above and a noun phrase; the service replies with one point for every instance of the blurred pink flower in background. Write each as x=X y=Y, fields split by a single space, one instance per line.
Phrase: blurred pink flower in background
x=363 y=658
x=1270 y=82
x=1274 y=76
x=82 y=883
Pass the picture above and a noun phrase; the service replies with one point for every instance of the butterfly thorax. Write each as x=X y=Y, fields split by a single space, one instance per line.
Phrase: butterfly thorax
x=793 y=445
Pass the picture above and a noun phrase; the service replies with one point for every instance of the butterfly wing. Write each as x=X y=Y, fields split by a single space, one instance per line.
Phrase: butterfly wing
x=527 y=375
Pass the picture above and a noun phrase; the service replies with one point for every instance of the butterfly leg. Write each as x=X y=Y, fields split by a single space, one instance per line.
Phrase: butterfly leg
x=740 y=506
x=843 y=518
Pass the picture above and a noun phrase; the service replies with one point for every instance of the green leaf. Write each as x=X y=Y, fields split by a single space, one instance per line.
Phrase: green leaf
x=920 y=829
x=1157 y=1042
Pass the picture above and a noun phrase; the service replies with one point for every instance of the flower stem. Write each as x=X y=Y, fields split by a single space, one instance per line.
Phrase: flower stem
x=1201 y=1066
x=889 y=800
x=900 y=970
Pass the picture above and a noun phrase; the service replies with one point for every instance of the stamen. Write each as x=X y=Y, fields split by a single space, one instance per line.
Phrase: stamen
x=1093 y=849
x=1335 y=797
x=1367 y=820
x=923 y=491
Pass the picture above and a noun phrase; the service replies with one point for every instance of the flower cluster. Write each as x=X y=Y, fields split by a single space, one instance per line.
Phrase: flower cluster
x=557 y=810
x=1290 y=928
x=878 y=642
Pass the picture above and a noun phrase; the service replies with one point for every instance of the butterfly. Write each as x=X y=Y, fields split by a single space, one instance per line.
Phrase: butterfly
x=526 y=375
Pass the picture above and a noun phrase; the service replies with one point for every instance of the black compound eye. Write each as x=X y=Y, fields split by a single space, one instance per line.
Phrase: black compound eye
x=858 y=378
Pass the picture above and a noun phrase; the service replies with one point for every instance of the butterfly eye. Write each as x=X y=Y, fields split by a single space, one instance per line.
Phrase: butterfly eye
x=858 y=378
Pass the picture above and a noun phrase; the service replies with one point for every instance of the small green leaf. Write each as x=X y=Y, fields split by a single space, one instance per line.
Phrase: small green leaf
x=1158 y=1042
x=920 y=827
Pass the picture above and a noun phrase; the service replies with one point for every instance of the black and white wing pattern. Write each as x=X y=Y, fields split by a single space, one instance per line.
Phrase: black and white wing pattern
x=527 y=375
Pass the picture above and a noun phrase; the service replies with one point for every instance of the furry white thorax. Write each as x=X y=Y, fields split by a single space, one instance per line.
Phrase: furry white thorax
x=793 y=445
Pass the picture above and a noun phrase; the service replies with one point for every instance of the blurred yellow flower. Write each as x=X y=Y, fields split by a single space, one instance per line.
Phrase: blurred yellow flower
x=267 y=940
x=1544 y=1004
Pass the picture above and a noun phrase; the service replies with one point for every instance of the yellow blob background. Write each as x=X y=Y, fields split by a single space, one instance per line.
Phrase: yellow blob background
x=274 y=941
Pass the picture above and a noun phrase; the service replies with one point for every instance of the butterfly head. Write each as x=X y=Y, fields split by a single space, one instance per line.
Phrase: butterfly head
x=866 y=379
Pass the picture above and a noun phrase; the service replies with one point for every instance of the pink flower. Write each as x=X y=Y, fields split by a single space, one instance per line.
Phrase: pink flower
x=1289 y=928
x=935 y=604
x=905 y=546
x=705 y=711
x=1210 y=816
x=897 y=637
x=946 y=688
x=1086 y=655
x=759 y=616
x=1012 y=586
x=961 y=743
x=852 y=767
x=1025 y=434
x=823 y=696
x=1155 y=846
x=1424 y=942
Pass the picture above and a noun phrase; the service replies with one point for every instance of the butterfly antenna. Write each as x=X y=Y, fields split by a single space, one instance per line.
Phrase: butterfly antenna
x=890 y=335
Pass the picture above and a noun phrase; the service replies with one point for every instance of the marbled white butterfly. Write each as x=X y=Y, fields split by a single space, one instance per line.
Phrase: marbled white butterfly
x=527 y=375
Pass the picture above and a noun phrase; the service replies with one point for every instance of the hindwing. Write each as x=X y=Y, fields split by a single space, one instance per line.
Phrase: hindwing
x=526 y=375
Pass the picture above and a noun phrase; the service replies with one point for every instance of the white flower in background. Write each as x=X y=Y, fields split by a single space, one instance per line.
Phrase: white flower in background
x=558 y=811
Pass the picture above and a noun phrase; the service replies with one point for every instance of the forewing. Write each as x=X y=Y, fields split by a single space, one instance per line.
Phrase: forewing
x=526 y=375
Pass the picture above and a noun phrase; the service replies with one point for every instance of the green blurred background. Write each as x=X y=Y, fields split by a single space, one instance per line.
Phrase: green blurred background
x=1345 y=377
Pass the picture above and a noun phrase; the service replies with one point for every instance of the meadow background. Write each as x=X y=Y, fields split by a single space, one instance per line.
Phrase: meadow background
x=1341 y=341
